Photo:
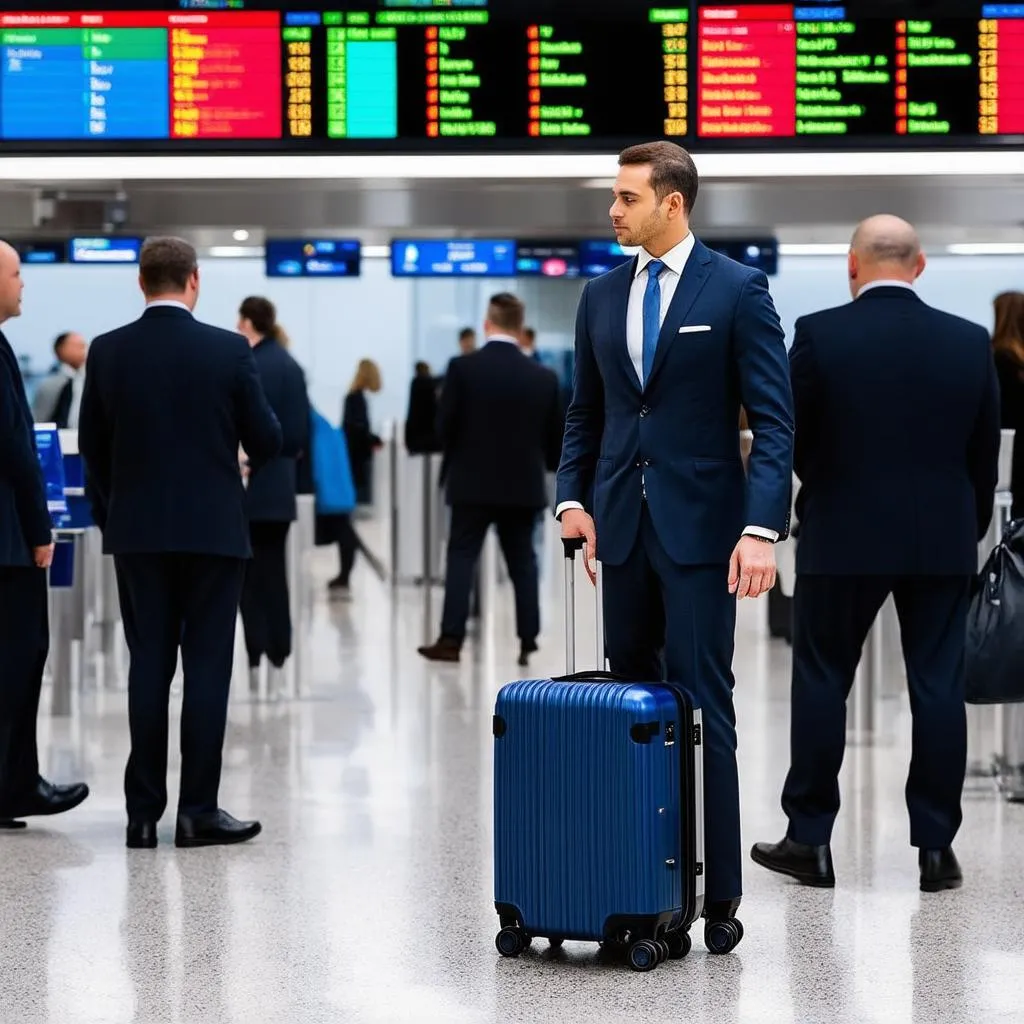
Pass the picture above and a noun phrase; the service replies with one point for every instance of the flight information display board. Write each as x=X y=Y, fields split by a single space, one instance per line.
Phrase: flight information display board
x=461 y=75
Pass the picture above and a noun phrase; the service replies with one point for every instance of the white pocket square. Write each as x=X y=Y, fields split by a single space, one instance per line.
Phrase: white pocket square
x=694 y=328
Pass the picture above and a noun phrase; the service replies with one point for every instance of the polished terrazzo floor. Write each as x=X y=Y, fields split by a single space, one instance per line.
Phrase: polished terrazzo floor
x=368 y=897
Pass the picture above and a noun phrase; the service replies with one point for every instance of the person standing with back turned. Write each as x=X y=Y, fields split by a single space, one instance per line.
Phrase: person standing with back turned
x=668 y=346
x=26 y=551
x=166 y=490
x=897 y=451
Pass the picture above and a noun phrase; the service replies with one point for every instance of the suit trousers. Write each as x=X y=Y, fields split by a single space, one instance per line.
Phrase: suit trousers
x=665 y=621
x=832 y=617
x=266 y=612
x=467 y=530
x=170 y=601
x=24 y=644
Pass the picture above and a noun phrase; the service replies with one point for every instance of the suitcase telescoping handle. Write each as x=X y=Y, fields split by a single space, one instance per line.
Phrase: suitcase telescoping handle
x=572 y=546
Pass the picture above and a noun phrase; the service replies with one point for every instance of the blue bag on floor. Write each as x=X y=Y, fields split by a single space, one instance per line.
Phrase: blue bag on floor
x=332 y=471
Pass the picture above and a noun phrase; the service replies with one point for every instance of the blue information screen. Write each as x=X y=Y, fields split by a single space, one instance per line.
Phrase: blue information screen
x=545 y=258
x=52 y=462
x=453 y=258
x=762 y=253
x=41 y=252
x=598 y=256
x=297 y=257
x=104 y=250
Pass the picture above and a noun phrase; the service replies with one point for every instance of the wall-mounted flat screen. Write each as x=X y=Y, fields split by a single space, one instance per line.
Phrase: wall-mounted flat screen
x=304 y=257
x=460 y=257
x=762 y=253
x=545 y=258
x=598 y=256
x=520 y=75
x=36 y=252
x=104 y=250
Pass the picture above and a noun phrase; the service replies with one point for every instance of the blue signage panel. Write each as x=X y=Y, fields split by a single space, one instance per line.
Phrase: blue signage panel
x=304 y=257
x=33 y=252
x=52 y=462
x=104 y=250
x=762 y=253
x=598 y=256
x=427 y=257
x=545 y=258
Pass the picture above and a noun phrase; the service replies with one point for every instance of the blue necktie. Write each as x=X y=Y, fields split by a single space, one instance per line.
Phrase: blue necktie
x=652 y=315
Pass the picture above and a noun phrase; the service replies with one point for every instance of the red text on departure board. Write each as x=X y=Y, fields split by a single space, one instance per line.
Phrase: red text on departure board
x=1001 y=70
x=747 y=72
x=226 y=79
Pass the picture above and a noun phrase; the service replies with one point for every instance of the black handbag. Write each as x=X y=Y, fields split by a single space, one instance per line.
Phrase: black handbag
x=995 y=625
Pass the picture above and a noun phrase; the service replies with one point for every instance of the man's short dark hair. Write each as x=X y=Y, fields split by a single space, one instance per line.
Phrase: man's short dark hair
x=166 y=264
x=506 y=311
x=467 y=332
x=672 y=169
x=58 y=342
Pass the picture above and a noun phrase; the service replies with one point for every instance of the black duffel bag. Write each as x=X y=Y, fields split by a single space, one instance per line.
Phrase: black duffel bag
x=995 y=624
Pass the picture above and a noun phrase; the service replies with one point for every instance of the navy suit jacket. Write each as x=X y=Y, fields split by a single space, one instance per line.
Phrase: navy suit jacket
x=500 y=422
x=270 y=496
x=679 y=433
x=162 y=460
x=24 y=518
x=897 y=438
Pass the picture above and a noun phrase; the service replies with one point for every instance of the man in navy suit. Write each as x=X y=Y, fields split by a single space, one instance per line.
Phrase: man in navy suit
x=26 y=551
x=668 y=346
x=897 y=448
x=166 y=489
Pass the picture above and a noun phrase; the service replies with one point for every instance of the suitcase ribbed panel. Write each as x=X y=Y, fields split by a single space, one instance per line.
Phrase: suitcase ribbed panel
x=586 y=818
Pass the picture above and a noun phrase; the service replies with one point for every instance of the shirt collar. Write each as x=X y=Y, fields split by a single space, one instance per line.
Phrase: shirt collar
x=675 y=259
x=172 y=303
x=884 y=284
x=507 y=338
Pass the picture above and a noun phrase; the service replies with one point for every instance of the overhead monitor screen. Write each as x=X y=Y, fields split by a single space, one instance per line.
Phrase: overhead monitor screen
x=427 y=257
x=471 y=75
x=325 y=257
x=546 y=258
x=35 y=252
x=598 y=256
x=762 y=253
x=104 y=250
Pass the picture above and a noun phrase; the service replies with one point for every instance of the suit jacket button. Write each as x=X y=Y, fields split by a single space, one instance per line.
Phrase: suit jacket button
x=644 y=410
x=647 y=462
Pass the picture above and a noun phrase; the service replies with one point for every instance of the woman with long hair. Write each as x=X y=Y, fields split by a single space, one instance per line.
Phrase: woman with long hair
x=1008 y=349
x=266 y=617
x=355 y=421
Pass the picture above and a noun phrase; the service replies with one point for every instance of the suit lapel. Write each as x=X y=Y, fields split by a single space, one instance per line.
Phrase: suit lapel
x=619 y=316
x=695 y=276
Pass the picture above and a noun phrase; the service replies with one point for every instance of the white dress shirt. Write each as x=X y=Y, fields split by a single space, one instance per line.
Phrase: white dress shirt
x=884 y=284
x=675 y=263
x=173 y=303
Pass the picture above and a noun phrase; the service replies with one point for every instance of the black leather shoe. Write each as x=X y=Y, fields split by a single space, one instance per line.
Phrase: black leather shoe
x=141 y=835
x=9 y=824
x=445 y=649
x=46 y=799
x=526 y=648
x=939 y=870
x=215 y=829
x=809 y=865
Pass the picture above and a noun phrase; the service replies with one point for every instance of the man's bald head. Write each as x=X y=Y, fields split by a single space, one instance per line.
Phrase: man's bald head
x=11 y=284
x=884 y=248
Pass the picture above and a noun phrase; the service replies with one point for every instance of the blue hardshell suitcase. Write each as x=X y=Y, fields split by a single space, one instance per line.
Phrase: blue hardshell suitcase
x=598 y=810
